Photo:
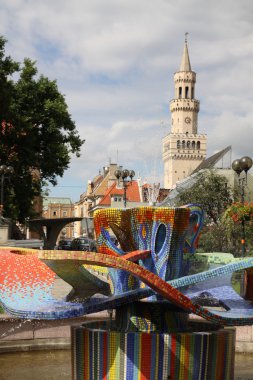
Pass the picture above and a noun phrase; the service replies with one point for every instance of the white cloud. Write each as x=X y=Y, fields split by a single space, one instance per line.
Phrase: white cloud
x=115 y=59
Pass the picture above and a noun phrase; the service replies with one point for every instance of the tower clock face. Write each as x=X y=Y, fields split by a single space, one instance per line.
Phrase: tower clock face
x=187 y=119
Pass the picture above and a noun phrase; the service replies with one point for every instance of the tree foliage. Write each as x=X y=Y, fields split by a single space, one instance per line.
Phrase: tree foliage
x=211 y=191
x=236 y=218
x=37 y=134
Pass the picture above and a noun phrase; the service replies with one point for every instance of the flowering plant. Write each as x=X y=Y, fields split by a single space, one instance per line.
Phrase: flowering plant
x=240 y=211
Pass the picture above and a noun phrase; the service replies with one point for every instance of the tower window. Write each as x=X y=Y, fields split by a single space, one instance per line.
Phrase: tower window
x=198 y=144
x=188 y=144
x=183 y=144
x=180 y=93
x=192 y=92
x=186 y=92
x=193 y=145
x=178 y=144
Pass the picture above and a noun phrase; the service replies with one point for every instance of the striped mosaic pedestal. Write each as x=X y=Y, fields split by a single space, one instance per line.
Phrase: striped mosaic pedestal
x=100 y=353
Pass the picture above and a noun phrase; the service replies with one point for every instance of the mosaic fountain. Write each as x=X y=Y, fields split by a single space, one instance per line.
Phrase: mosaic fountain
x=154 y=291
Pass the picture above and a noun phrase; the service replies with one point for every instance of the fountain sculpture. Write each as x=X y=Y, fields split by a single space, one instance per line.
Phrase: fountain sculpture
x=154 y=290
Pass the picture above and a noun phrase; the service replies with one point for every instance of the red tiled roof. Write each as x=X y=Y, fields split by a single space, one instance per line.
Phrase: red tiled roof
x=133 y=194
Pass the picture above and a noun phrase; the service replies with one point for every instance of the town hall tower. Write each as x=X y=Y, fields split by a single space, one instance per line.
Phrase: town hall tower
x=184 y=148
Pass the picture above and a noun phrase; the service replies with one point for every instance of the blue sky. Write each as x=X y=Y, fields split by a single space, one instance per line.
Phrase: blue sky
x=114 y=61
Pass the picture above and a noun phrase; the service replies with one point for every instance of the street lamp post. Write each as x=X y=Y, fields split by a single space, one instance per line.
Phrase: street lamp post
x=5 y=172
x=123 y=175
x=242 y=165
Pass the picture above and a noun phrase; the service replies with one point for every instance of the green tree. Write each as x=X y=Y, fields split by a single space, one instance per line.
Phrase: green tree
x=234 y=218
x=37 y=134
x=213 y=193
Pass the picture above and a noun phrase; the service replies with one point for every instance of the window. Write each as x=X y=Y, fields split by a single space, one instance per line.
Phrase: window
x=192 y=92
x=180 y=93
x=188 y=144
x=186 y=92
x=198 y=144
x=183 y=144
x=145 y=195
x=178 y=144
x=117 y=199
x=193 y=145
x=64 y=213
x=54 y=213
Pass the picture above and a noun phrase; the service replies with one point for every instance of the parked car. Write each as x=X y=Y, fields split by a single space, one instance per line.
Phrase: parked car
x=64 y=244
x=83 y=244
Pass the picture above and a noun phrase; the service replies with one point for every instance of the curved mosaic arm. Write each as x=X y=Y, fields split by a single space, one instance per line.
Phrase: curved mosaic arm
x=26 y=282
x=138 y=294
x=172 y=294
x=26 y=285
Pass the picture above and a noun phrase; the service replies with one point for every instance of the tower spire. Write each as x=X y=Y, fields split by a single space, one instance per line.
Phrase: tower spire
x=185 y=62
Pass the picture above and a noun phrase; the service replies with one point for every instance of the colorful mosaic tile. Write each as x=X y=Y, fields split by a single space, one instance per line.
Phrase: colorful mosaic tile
x=26 y=282
x=100 y=353
x=26 y=287
x=152 y=338
x=166 y=232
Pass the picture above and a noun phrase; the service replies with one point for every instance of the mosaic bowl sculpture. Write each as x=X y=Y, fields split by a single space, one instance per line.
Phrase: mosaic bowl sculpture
x=152 y=290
